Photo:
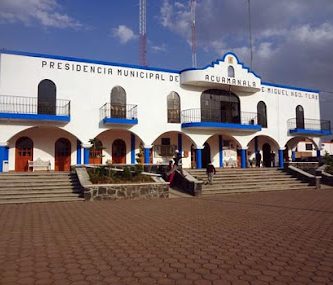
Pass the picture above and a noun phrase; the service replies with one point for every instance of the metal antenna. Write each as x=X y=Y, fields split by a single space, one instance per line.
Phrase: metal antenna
x=143 y=34
x=194 y=40
x=250 y=34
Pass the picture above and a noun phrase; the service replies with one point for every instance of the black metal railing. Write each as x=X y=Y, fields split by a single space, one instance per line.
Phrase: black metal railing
x=30 y=105
x=164 y=150
x=128 y=111
x=216 y=115
x=309 y=124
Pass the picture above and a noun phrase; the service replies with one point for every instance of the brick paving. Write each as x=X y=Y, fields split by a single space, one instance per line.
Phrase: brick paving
x=257 y=238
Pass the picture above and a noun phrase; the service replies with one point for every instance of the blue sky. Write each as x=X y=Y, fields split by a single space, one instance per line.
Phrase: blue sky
x=292 y=40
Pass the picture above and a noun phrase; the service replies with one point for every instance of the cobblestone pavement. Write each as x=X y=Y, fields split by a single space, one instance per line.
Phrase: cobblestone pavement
x=258 y=238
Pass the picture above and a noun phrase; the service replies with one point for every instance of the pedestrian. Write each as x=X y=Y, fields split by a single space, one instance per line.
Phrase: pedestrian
x=210 y=170
x=273 y=159
x=178 y=162
x=258 y=158
x=171 y=172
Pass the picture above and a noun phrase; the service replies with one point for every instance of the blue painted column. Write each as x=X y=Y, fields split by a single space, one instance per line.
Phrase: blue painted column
x=4 y=154
x=78 y=153
x=146 y=154
x=86 y=154
x=281 y=162
x=293 y=156
x=318 y=153
x=180 y=143
x=199 y=158
x=221 y=150
x=133 y=149
x=243 y=158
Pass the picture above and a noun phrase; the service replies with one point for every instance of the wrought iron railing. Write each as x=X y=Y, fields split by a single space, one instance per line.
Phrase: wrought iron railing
x=128 y=111
x=309 y=124
x=216 y=115
x=30 y=105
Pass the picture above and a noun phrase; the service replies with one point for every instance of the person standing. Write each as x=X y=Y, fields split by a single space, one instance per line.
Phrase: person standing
x=178 y=162
x=258 y=158
x=273 y=159
x=171 y=173
x=211 y=171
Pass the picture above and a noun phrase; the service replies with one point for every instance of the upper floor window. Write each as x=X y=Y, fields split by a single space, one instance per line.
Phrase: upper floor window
x=262 y=114
x=173 y=102
x=299 y=117
x=118 y=102
x=47 y=97
x=231 y=71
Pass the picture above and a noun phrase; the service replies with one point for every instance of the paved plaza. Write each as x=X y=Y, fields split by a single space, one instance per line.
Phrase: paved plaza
x=257 y=238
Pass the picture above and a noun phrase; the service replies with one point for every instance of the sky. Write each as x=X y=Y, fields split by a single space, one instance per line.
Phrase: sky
x=292 y=39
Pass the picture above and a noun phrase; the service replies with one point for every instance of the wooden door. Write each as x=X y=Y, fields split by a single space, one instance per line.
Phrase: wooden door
x=119 y=151
x=95 y=153
x=62 y=155
x=23 y=153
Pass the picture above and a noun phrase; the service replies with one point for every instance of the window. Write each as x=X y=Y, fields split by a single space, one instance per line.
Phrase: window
x=220 y=106
x=173 y=102
x=308 y=146
x=299 y=117
x=47 y=97
x=118 y=102
x=165 y=141
x=231 y=71
x=262 y=114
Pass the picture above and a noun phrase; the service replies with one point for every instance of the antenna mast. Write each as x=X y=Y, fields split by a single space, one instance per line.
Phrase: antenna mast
x=143 y=34
x=194 y=40
x=250 y=34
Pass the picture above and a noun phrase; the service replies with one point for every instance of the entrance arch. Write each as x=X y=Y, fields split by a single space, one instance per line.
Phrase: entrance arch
x=23 y=153
x=266 y=155
x=118 y=151
x=62 y=157
x=206 y=158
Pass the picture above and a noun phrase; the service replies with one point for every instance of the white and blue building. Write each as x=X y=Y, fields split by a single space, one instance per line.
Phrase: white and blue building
x=73 y=111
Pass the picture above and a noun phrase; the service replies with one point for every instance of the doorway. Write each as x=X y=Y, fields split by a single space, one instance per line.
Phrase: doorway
x=119 y=151
x=23 y=153
x=206 y=155
x=266 y=151
x=62 y=155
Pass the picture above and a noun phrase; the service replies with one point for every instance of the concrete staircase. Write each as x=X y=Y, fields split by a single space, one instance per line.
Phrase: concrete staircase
x=32 y=187
x=235 y=180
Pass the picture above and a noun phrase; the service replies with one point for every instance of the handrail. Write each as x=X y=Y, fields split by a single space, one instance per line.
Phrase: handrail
x=30 y=105
x=122 y=111
x=309 y=124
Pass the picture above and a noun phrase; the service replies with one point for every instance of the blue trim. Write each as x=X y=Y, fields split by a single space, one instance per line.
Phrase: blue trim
x=221 y=150
x=120 y=121
x=293 y=156
x=84 y=60
x=318 y=153
x=223 y=60
x=34 y=117
x=4 y=154
x=86 y=153
x=290 y=87
x=218 y=125
x=132 y=148
x=146 y=153
x=199 y=158
x=243 y=158
x=78 y=153
x=180 y=143
x=281 y=161
x=310 y=132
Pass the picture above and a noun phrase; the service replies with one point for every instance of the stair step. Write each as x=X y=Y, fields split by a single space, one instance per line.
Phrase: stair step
x=41 y=200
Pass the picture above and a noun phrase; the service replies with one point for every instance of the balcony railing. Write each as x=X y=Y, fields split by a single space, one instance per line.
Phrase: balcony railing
x=309 y=126
x=217 y=118
x=28 y=108
x=164 y=150
x=119 y=114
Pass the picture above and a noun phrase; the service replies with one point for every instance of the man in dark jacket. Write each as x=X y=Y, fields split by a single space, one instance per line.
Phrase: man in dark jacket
x=210 y=170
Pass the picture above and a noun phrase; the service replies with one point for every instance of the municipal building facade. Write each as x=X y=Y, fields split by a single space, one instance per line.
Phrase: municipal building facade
x=72 y=111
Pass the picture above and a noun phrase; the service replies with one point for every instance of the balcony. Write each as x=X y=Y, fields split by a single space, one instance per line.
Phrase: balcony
x=119 y=114
x=216 y=119
x=309 y=127
x=20 y=108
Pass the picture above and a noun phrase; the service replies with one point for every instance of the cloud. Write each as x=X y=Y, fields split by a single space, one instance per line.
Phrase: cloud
x=160 y=48
x=45 y=12
x=124 y=34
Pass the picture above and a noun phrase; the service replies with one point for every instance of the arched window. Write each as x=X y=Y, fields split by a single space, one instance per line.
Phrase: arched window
x=231 y=71
x=47 y=97
x=118 y=102
x=262 y=114
x=173 y=107
x=220 y=106
x=299 y=117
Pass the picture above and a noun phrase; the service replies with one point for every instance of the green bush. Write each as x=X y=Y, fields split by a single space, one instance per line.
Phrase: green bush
x=328 y=160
